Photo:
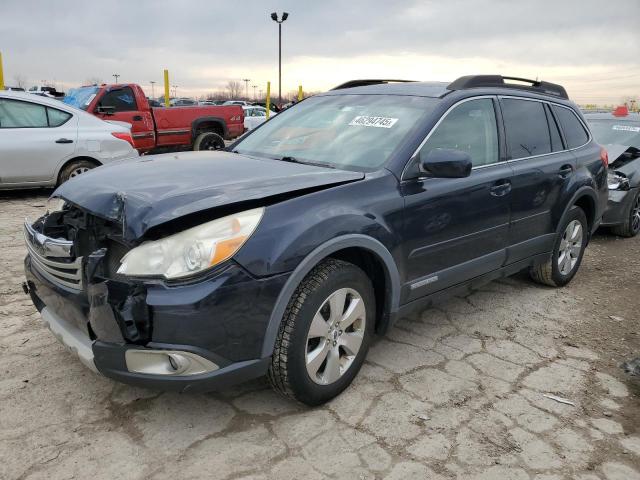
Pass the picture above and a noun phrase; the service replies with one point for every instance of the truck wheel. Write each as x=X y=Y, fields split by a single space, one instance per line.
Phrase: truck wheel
x=631 y=226
x=208 y=141
x=74 y=169
x=325 y=333
x=568 y=250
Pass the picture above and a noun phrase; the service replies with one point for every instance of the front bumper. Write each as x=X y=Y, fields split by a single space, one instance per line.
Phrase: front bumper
x=221 y=320
x=618 y=207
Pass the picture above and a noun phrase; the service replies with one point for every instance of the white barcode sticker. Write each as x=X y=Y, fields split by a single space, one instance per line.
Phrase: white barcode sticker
x=379 y=122
x=626 y=128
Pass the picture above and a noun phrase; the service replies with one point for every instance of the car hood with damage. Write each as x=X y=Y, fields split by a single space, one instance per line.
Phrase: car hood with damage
x=159 y=188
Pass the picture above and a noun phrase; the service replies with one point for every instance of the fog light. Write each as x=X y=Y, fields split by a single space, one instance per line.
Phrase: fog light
x=167 y=362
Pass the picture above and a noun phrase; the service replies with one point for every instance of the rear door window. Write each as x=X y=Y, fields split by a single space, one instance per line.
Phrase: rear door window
x=19 y=114
x=122 y=99
x=574 y=132
x=526 y=127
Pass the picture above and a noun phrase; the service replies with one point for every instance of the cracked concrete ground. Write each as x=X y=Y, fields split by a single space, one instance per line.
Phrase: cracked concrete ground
x=455 y=392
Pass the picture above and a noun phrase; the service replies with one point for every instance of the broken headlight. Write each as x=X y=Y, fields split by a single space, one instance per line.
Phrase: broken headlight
x=617 y=181
x=193 y=250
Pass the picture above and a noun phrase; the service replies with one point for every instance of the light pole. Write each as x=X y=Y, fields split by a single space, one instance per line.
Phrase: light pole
x=246 y=87
x=116 y=76
x=175 y=91
x=254 y=91
x=274 y=17
x=153 y=92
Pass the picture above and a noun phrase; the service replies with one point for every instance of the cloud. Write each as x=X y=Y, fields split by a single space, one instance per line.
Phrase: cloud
x=591 y=44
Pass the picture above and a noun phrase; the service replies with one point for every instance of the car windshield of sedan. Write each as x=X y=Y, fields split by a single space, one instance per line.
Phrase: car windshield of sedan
x=351 y=132
x=616 y=132
x=80 y=97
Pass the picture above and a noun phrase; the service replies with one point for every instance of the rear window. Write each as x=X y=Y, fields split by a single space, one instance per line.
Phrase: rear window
x=574 y=133
x=525 y=124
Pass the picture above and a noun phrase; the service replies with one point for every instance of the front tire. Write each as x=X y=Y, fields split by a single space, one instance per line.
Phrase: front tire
x=568 y=251
x=631 y=226
x=325 y=333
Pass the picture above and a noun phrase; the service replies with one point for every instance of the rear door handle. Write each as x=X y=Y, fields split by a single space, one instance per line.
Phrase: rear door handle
x=64 y=140
x=501 y=188
x=565 y=171
x=137 y=118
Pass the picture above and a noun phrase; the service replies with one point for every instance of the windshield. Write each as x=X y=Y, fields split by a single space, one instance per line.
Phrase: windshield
x=352 y=132
x=616 y=132
x=80 y=97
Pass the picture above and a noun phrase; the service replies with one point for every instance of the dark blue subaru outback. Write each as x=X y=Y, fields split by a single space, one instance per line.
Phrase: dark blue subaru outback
x=285 y=254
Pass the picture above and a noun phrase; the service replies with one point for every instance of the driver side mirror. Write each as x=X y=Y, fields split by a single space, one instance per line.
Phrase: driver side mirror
x=445 y=163
x=110 y=110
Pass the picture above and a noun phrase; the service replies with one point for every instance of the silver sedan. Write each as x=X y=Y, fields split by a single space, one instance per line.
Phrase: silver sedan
x=44 y=142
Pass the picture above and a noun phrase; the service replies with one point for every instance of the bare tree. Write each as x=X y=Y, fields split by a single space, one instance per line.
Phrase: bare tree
x=234 y=89
x=20 y=80
x=93 y=81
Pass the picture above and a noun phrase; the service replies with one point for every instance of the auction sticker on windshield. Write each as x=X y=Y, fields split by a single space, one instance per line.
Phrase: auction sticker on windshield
x=626 y=128
x=379 y=122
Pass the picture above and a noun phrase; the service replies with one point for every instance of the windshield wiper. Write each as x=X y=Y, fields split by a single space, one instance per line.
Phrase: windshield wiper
x=304 y=162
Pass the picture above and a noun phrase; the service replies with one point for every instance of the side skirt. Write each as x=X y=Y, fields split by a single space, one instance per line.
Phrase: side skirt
x=468 y=286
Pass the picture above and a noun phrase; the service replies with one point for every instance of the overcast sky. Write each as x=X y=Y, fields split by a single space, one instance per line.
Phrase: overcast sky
x=590 y=46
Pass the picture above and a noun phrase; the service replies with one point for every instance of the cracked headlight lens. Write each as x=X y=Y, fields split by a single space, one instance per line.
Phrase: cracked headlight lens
x=617 y=181
x=193 y=250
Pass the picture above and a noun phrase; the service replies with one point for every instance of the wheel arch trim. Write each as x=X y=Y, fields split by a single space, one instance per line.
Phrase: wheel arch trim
x=195 y=125
x=316 y=256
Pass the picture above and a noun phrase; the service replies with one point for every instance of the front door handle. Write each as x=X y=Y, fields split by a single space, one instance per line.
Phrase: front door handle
x=64 y=140
x=501 y=188
x=565 y=171
x=137 y=118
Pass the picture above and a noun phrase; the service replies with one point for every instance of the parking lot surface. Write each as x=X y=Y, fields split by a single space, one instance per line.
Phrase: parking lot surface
x=513 y=381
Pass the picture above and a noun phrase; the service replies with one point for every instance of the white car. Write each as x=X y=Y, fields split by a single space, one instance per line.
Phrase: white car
x=254 y=116
x=44 y=142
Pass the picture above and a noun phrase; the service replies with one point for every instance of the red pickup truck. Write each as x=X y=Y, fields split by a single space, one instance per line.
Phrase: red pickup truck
x=197 y=127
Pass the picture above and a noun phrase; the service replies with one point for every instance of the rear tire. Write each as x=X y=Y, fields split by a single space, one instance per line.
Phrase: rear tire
x=325 y=333
x=208 y=141
x=631 y=226
x=75 y=168
x=567 y=253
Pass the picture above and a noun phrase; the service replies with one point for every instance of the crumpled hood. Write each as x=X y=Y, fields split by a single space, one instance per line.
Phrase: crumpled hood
x=158 y=188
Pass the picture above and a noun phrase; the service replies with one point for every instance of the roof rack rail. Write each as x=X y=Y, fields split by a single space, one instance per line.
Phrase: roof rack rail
x=366 y=82
x=476 y=81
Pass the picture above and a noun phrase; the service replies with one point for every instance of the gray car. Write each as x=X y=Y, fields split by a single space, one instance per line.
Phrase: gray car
x=619 y=132
x=44 y=142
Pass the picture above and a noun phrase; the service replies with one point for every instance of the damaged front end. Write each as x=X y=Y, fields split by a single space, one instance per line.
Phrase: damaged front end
x=78 y=255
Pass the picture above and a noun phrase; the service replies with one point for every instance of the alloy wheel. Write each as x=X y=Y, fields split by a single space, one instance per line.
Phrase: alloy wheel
x=77 y=171
x=335 y=336
x=570 y=247
x=635 y=215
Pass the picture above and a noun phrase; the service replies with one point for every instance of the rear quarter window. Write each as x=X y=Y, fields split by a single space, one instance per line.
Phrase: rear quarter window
x=574 y=132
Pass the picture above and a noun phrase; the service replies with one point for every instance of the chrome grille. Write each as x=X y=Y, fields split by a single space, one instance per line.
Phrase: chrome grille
x=67 y=273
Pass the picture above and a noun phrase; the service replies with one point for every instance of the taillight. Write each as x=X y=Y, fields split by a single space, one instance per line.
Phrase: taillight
x=604 y=158
x=124 y=136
